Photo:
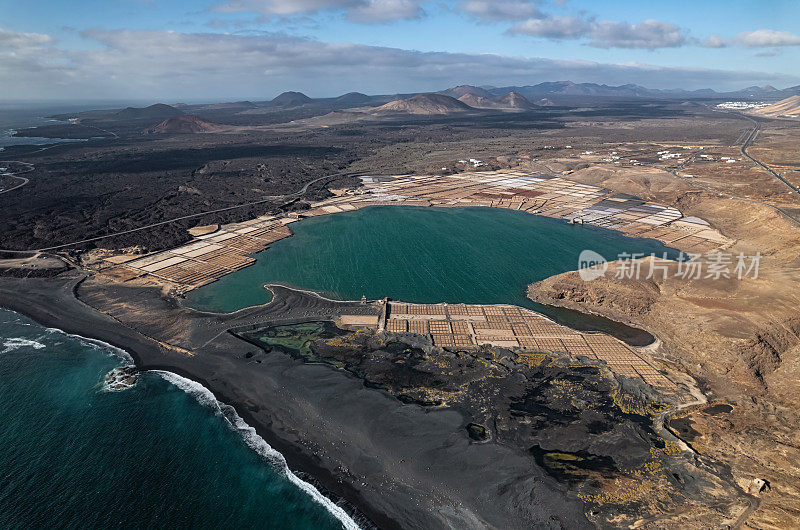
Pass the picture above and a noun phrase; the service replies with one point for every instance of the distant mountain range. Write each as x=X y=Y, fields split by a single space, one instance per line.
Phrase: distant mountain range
x=568 y=88
x=463 y=98
x=524 y=97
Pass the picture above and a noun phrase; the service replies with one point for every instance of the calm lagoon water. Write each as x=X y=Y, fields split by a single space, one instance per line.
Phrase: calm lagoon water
x=425 y=255
x=164 y=452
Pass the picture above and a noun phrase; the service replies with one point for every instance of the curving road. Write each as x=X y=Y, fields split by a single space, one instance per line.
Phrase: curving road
x=16 y=174
x=286 y=198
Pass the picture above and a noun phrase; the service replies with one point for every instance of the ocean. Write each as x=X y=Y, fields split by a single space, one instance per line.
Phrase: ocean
x=16 y=117
x=162 y=452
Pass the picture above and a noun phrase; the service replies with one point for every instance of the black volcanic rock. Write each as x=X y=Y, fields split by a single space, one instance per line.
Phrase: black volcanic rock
x=291 y=99
x=232 y=105
x=353 y=98
x=157 y=111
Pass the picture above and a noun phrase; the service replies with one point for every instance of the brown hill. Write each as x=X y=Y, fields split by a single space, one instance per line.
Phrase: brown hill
x=462 y=90
x=785 y=107
x=511 y=101
x=427 y=104
x=187 y=124
x=480 y=102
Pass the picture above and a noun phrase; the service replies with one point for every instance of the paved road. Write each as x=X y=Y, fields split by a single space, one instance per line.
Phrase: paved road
x=50 y=146
x=746 y=144
x=31 y=167
x=746 y=139
x=16 y=174
x=286 y=198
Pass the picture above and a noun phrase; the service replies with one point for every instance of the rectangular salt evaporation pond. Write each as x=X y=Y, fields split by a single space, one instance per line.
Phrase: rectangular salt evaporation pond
x=427 y=255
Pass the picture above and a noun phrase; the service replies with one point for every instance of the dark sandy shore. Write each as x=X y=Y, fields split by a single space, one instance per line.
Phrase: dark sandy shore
x=400 y=465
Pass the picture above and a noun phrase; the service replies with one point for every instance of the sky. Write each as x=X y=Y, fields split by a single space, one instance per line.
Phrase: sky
x=223 y=50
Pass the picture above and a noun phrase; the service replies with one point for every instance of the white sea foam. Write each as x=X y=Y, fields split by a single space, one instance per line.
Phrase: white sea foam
x=205 y=397
x=97 y=345
x=120 y=378
x=15 y=343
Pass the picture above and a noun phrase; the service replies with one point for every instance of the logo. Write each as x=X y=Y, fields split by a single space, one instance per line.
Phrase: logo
x=591 y=265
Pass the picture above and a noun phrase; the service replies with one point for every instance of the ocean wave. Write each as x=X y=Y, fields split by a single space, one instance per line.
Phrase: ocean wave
x=15 y=343
x=206 y=398
x=96 y=345
x=120 y=378
x=19 y=342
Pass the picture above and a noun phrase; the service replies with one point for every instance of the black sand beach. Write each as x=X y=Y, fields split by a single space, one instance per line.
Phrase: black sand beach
x=400 y=465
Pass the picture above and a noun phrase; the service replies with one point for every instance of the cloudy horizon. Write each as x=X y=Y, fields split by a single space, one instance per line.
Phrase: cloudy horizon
x=255 y=49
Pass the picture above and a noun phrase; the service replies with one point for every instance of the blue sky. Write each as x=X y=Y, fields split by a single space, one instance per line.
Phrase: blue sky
x=159 y=48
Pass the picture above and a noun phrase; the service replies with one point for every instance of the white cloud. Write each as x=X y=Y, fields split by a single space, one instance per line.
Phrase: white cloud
x=11 y=40
x=385 y=10
x=555 y=27
x=714 y=41
x=26 y=59
x=767 y=37
x=365 y=11
x=172 y=66
x=762 y=38
x=501 y=10
x=649 y=34
x=286 y=7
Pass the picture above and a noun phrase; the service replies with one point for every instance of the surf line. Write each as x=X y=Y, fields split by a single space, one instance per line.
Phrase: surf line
x=206 y=398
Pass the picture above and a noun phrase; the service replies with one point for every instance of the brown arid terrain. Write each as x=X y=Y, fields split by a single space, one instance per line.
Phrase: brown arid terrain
x=789 y=107
x=510 y=101
x=425 y=104
x=187 y=124
x=740 y=339
x=779 y=148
